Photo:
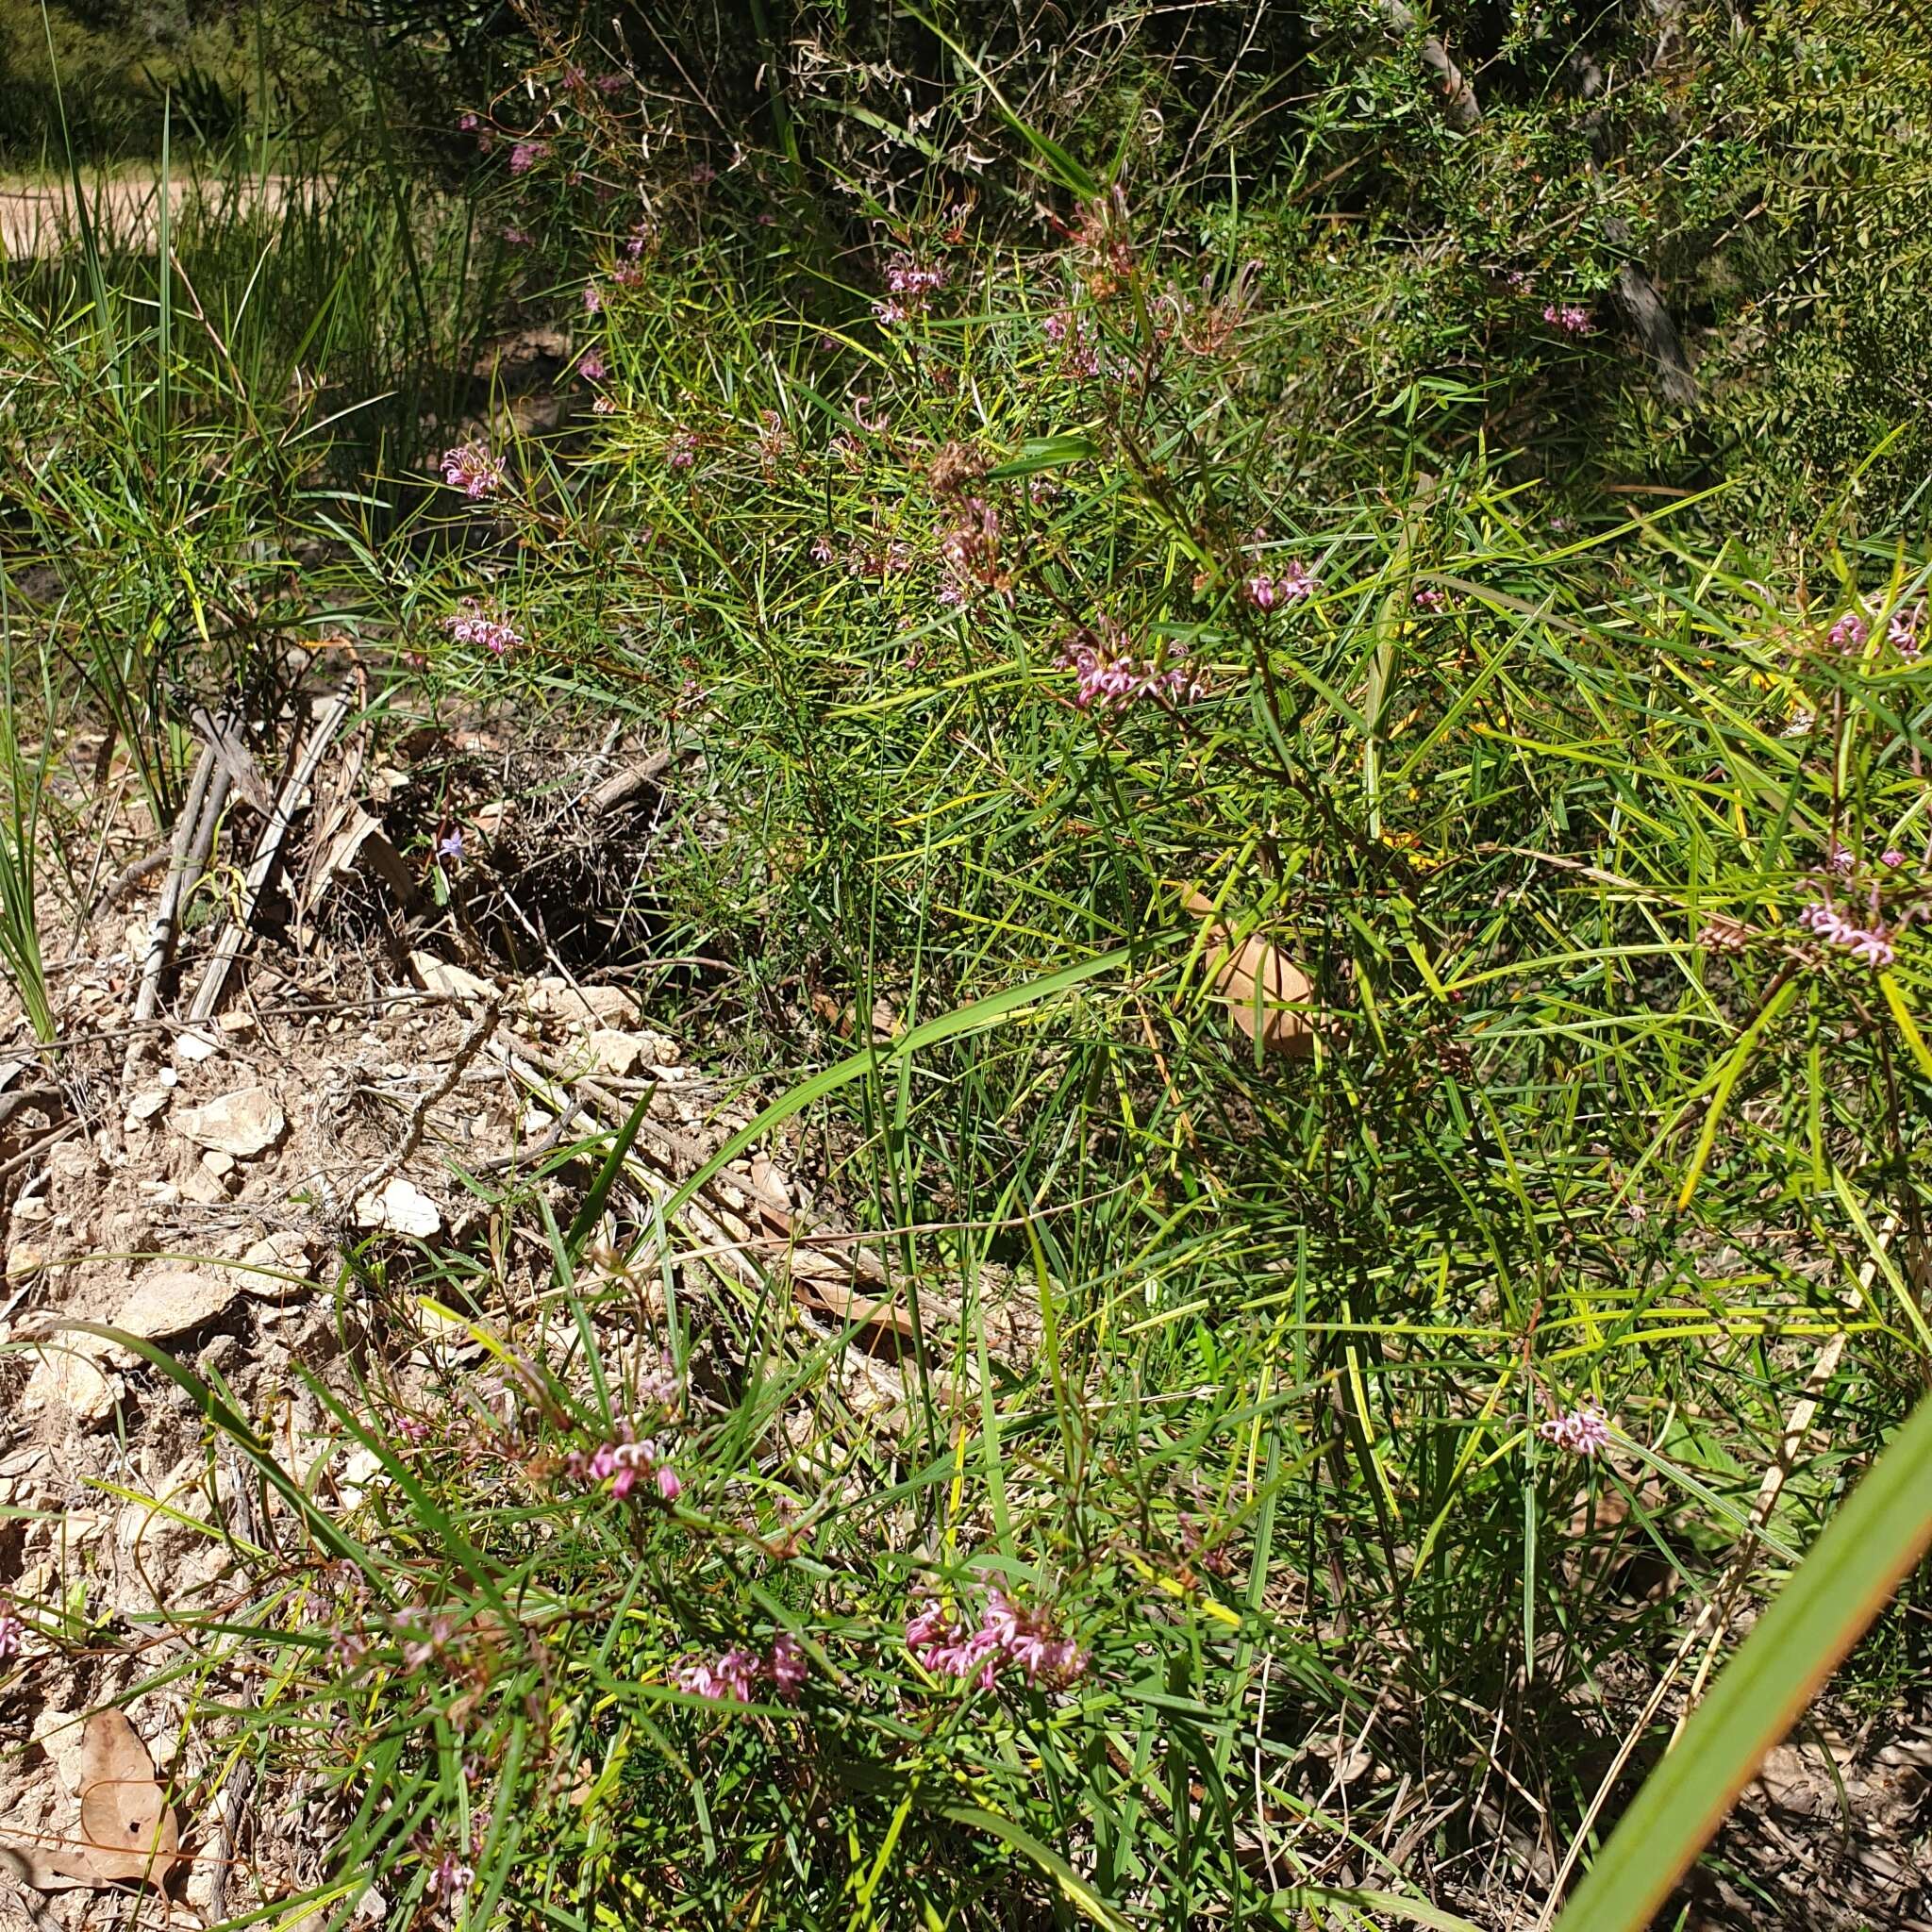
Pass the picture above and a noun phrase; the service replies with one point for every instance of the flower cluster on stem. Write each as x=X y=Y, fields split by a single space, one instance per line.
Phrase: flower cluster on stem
x=1007 y=1637
x=733 y=1676
x=1582 y=1431
x=473 y=626
x=1112 y=676
x=471 y=467
x=624 y=1460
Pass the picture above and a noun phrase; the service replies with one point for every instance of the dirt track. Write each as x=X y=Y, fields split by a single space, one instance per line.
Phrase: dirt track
x=39 y=218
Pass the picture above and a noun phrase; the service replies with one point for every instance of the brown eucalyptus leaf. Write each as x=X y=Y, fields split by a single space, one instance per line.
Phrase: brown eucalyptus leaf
x=126 y=1824
x=1262 y=987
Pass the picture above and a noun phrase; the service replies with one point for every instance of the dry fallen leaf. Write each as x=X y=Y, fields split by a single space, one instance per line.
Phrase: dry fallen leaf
x=126 y=1824
x=1253 y=975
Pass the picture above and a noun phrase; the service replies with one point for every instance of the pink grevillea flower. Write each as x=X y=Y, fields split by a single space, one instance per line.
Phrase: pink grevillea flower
x=734 y=1675
x=1428 y=598
x=451 y=1879
x=514 y=237
x=1838 y=858
x=1902 y=631
x=1570 y=318
x=591 y=366
x=623 y=1462
x=526 y=155
x=1113 y=677
x=821 y=549
x=1892 y=858
x=473 y=626
x=786 y=1666
x=12 y=1635
x=1265 y=593
x=905 y=275
x=1582 y=1431
x=681 y=448
x=1849 y=632
x=468 y=123
x=594 y=298
x=889 y=314
x=1005 y=1636
x=1076 y=335
x=1872 y=945
x=471 y=469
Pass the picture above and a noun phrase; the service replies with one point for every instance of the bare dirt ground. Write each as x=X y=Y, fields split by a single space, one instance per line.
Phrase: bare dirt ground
x=39 y=218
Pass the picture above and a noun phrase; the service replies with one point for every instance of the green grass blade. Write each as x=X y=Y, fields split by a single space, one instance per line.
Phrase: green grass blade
x=1880 y=1531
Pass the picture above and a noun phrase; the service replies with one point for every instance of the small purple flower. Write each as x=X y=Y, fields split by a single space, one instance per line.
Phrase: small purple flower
x=526 y=155
x=450 y=847
x=1871 y=945
x=591 y=366
x=12 y=1635
x=1849 y=632
x=785 y=1665
x=1570 y=318
x=1294 y=583
x=730 y=1678
x=1892 y=858
x=517 y=238
x=889 y=314
x=1902 y=631
x=1582 y=1431
x=471 y=467
x=681 y=448
x=594 y=298
x=1838 y=858
x=1113 y=677
x=702 y=174
x=467 y=124
x=473 y=626
x=608 y=83
x=1428 y=598
x=451 y=1879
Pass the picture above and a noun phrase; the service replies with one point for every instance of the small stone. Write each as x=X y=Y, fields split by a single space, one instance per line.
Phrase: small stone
x=23 y=1261
x=402 y=1209
x=67 y=1381
x=286 y=1253
x=202 y=1189
x=244 y=1123
x=172 y=1300
x=168 y=1076
x=57 y=1733
x=193 y=1048
x=218 y=1163
x=145 y=1105
x=451 y=982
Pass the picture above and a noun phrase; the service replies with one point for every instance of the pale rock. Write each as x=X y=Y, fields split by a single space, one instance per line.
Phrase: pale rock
x=68 y=1381
x=31 y=1208
x=193 y=1048
x=582 y=1005
x=143 y=1108
x=25 y=1259
x=287 y=1253
x=173 y=1301
x=219 y=1164
x=203 y=1190
x=244 y=1123
x=402 y=1209
x=57 y=1733
x=451 y=982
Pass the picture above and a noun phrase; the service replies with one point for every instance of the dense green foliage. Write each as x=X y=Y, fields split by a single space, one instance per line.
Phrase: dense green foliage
x=1241 y=482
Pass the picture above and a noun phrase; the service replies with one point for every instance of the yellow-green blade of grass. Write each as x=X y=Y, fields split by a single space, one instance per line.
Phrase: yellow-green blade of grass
x=1879 y=1532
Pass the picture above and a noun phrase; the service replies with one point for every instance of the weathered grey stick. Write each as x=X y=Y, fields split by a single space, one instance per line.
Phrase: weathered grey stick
x=160 y=944
x=267 y=849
